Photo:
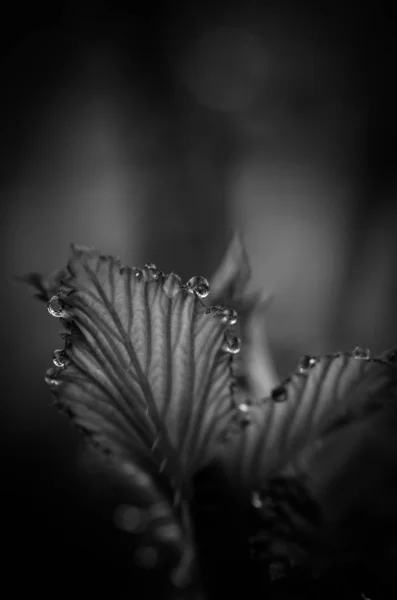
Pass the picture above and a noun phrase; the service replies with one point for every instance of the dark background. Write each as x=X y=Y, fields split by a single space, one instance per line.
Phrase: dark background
x=152 y=133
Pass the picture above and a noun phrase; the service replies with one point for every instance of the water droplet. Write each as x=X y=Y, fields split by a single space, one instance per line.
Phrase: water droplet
x=231 y=344
x=208 y=311
x=59 y=358
x=256 y=500
x=229 y=316
x=146 y=557
x=361 y=353
x=138 y=273
x=199 y=286
x=56 y=308
x=306 y=363
x=50 y=377
x=152 y=271
x=279 y=394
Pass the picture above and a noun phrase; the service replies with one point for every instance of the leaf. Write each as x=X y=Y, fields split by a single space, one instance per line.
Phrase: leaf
x=144 y=372
x=324 y=410
x=145 y=375
x=231 y=278
x=229 y=286
x=313 y=402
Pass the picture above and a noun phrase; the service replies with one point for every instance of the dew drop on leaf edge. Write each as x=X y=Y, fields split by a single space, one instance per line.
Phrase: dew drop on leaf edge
x=229 y=316
x=199 y=286
x=231 y=344
x=152 y=271
x=361 y=353
x=58 y=358
x=56 y=307
x=50 y=378
x=306 y=363
x=279 y=394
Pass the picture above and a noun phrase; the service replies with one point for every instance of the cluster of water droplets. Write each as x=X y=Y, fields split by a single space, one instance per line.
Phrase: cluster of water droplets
x=57 y=308
x=231 y=344
x=361 y=353
x=228 y=316
x=152 y=272
x=196 y=285
x=200 y=287
x=307 y=362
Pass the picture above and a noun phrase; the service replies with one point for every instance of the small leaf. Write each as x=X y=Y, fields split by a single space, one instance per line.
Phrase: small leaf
x=229 y=286
x=234 y=272
x=337 y=390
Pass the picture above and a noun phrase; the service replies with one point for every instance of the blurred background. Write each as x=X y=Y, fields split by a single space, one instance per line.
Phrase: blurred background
x=152 y=133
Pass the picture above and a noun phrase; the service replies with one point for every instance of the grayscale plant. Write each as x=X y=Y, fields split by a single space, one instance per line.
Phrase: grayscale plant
x=169 y=377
